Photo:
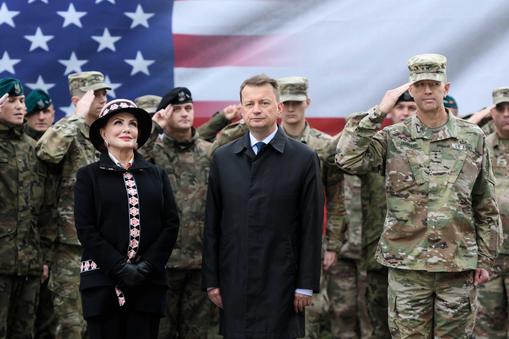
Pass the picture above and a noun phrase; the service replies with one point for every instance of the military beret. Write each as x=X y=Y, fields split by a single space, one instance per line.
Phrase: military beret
x=427 y=67
x=405 y=97
x=450 y=102
x=37 y=100
x=86 y=81
x=500 y=95
x=293 y=89
x=148 y=102
x=177 y=96
x=11 y=86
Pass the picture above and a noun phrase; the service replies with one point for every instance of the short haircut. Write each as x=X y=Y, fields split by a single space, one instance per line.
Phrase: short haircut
x=260 y=80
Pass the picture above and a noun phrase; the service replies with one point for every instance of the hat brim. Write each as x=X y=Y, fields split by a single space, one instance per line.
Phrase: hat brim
x=95 y=87
x=500 y=100
x=428 y=76
x=292 y=97
x=144 y=126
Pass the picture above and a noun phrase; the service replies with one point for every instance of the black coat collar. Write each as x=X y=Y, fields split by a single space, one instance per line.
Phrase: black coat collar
x=139 y=163
x=278 y=142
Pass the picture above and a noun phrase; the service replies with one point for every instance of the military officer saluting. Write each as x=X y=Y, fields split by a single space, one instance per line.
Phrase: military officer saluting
x=442 y=232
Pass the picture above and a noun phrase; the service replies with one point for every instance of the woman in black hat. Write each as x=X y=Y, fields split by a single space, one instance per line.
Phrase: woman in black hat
x=127 y=223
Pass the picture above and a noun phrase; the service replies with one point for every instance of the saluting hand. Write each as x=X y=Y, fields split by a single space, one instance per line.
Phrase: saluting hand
x=161 y=116
x=301 y=301
x=391 y=96
x=232 y=111
x=215 y=297
x=84 y=103
x=3 y=99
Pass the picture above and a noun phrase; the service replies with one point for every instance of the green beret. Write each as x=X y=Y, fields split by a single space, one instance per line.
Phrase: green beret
x=11 y=86
x=37 y=100
x=449 y=102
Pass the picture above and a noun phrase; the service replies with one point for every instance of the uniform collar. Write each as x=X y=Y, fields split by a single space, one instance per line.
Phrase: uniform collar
x=10 y=131
x=304 y=137
x=181 y=145
x=419 y=131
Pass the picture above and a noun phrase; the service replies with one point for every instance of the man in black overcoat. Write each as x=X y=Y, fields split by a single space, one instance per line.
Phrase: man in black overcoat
x=262 y=238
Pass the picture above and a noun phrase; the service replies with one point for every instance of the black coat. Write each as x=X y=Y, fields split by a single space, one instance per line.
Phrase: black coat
x=102 y=223
x=262 y=235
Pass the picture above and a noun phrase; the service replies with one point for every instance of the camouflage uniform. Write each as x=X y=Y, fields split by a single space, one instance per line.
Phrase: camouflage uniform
x=492 y=320
x=436 y=181
x=67 y=143
x=187 y=165
x=209 y=129
x=23 y=222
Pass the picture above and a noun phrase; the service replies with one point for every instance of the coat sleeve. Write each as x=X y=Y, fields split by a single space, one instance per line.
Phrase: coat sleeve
x=211 y=232
x=159 y=252
x=310 y=238
x=85 y=216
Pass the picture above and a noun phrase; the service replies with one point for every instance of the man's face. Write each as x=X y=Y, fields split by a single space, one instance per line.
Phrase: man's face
x=500 y=115
x=428 y=95
x=98 y=103
x=182 y=117
x=260 y=108
x=403 y=110
x=41 y=120
x=13 y=110
x=294 y=111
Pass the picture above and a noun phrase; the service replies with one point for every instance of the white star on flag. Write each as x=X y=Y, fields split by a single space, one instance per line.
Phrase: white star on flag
x=106 y=40
x=139 y=17
x=98 y=1
x=7 y=64
x=114 y=86
x=73 y=64
x=139 y=64
x=6 y=15
x=30 y=1
x=40 y=84
x=39 y=40
x=68 y=110
x=71 y=16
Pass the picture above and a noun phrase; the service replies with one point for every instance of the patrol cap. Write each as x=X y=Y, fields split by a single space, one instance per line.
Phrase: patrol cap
x=11 y=86
x=427 y=67
x=405 y=97
x=37 y=100
x=293 y=89
x=86 y=81
x=500 y=95
x=148 y=102
x=177 y=96
x=450 y=102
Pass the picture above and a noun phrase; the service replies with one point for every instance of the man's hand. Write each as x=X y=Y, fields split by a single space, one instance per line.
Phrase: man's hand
x=301 y=301
x=3 y=99
x=44 y=273
x=232 y=111
x=161 y=116
x=391 y=96
x=215 y=297
x=477 y=117
x=481 y=276
x=329 y=260
x=84 y=103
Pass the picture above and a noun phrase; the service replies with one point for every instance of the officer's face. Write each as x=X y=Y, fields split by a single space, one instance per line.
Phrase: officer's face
x=98 y=103
x=403 y=110
x=260 y=108
x=120 y=132
x=294 y=111
x=41 y=120
x=182 y=117
x=13 y=110
x=500 y=115
x=428 y=95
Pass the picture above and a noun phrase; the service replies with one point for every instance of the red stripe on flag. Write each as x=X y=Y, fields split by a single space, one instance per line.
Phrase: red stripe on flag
x=215 y=51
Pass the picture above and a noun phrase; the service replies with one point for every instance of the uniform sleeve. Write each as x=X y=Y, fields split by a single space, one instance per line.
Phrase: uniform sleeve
x=209 y=129
x=352 y=248
x=47 y=217
x=310 y=238
x=486 y=214
x=55 y=142
x=227 y=134
x=147 y=151
x=160 y=251
x=362 y=146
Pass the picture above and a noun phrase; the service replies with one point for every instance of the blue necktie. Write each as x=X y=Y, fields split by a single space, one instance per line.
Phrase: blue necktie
x=259 y=146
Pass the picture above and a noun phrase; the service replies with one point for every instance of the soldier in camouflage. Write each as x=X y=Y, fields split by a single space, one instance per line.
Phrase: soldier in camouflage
x=67 y=145
x=23 y=217
x=40 y=113
x=492 y=320
x=184 y=156
x=442 y=231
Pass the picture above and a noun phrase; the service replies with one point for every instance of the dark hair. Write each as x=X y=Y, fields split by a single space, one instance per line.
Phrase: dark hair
x=260 y=80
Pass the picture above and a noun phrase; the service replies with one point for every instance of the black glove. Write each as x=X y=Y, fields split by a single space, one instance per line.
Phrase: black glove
x=144 y=268
x=127 y=275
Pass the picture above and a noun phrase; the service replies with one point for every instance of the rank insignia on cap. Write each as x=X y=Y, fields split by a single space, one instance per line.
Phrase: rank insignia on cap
x=182 y=96
x=40 y=104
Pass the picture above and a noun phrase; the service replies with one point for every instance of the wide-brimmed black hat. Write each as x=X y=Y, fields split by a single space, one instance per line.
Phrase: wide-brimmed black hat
x=115 y=107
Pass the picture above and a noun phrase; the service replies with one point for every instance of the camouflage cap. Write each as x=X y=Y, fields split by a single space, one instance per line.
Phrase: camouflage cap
x=177 y=96
x=11 y=86
x=86 y=81
x=37 y=100
x=293 y=89
x=500 y=95
x=427 y=67
x=148 y=102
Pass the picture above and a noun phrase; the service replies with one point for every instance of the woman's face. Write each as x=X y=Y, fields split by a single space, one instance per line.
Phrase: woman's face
x=120 y=132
